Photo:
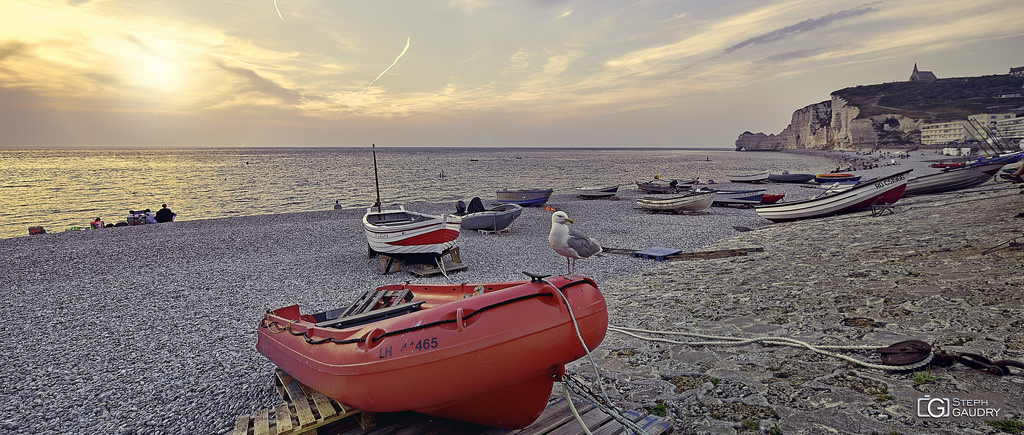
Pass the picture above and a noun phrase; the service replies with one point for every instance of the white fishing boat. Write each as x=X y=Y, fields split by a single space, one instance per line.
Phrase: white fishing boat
x=953 y=178
x=524 y=197
x=759 y=177
x=878 y=192
x=738 y=197
x=660 y=185
x=690 y=202
x=403 y=232
x=398 y=231
x=597 y=191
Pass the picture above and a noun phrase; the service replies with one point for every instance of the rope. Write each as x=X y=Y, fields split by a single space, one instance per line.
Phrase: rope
x=582 y=391
x=276 y=328
x=565 y=378
x=575 y=413
x=783 y=341
x=580 y=336
x=1012 y=243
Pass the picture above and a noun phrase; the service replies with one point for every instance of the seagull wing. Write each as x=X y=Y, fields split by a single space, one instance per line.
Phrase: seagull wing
x=583 y=245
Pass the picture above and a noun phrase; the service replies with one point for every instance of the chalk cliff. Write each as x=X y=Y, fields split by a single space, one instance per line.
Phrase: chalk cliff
x=835 y=125
x=889 y=114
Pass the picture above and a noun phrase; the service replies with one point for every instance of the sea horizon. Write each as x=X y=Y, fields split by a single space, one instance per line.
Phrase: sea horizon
x=62 y=189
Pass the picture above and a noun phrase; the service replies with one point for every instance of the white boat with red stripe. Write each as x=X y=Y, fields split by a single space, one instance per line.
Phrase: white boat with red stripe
x=400 y=231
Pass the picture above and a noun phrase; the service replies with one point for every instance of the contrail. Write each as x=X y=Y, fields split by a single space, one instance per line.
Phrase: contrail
x=407 y=40
x=278 y=10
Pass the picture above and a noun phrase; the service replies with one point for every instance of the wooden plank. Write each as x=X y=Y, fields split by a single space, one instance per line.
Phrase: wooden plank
x=241 y=425
x=289 y=388
x=262 y=424
x=360 y=304
x=700 y=255
x=304 y=414
x=721 y=253
x=323 y=405
x=282 y=417
x=423 y=270
x=592 y=417
x=651 y=424
x=396 y=297
x=554 y=415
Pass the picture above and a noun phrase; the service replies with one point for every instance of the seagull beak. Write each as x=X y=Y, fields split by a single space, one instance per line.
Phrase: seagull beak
x=569 y=220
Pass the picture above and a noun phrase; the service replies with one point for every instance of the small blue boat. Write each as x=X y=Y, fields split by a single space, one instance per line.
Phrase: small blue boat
x=524 y=197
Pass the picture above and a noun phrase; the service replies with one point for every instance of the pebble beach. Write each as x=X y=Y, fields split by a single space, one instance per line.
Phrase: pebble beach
x=151 y=329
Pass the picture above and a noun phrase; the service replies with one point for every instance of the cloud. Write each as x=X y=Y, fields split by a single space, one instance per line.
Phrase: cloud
x=12 y=48
x=797 y=54
x=256 y=83
x=802 y=27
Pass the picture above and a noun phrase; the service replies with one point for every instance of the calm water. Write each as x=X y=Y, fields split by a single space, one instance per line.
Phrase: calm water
x=60 y=189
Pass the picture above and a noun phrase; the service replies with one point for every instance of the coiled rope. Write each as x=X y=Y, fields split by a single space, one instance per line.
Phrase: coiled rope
x=718 y=340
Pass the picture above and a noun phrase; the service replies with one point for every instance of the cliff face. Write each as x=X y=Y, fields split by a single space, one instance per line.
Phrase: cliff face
x=834 y=125
x=888 y=114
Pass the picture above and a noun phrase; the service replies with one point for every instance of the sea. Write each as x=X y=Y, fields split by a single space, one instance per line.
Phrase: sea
x=65 y=189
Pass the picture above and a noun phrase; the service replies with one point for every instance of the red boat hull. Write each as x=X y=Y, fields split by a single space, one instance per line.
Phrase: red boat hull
x=489 y=359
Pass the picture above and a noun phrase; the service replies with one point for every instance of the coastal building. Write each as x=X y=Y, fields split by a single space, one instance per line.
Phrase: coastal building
x=942 y=133
x=1017 y=72
x=922 y=76
x=980 y=126
x=1012 y=130
x=990 y=119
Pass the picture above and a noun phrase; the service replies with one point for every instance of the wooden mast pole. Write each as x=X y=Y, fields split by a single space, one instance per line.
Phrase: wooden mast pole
x=376 y=179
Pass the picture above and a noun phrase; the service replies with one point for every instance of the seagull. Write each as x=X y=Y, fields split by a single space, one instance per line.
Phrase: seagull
x=570 y=243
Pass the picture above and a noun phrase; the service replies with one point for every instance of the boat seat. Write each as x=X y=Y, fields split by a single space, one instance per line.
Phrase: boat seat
x=371 y=316
x=372 y=300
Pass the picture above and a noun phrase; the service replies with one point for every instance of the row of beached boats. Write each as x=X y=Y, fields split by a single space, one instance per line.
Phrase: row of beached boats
x=884 y=191
x=488 y=353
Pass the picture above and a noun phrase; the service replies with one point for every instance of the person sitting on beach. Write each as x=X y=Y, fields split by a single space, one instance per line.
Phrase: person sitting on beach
x=1018 y=175
x=337 y=205
x=164 y=215
x=150 y=219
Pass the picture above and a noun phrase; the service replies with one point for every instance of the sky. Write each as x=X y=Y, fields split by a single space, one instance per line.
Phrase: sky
x=464 y=73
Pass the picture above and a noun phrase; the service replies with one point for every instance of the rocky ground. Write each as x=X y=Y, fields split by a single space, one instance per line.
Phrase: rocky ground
x=947 y=269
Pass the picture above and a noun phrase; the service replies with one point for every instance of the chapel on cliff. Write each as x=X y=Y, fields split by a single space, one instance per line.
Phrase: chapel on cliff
x=922 y=76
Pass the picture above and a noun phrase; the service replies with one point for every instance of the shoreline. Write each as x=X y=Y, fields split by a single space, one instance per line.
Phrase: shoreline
x=133 y=330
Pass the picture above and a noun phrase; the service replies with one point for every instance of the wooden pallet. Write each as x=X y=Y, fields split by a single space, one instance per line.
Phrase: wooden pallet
x=662 y=254
x=556 y=419
x=452 y=263
x=303 y=411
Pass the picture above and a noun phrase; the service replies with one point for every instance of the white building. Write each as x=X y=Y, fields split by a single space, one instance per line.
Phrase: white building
x=1012 y=130
x=942 y=133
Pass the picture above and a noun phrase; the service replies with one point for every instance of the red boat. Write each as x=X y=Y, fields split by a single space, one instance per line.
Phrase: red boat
x=772 y=198
x=482 y=353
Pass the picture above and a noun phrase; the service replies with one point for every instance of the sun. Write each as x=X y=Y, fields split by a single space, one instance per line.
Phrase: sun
x=159 y=73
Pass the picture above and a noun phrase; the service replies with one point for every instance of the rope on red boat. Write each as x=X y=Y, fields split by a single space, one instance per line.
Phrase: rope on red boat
x=449 y=321
x=275 y=328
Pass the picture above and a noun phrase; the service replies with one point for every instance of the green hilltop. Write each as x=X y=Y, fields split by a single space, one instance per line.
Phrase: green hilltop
x=940 y=100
